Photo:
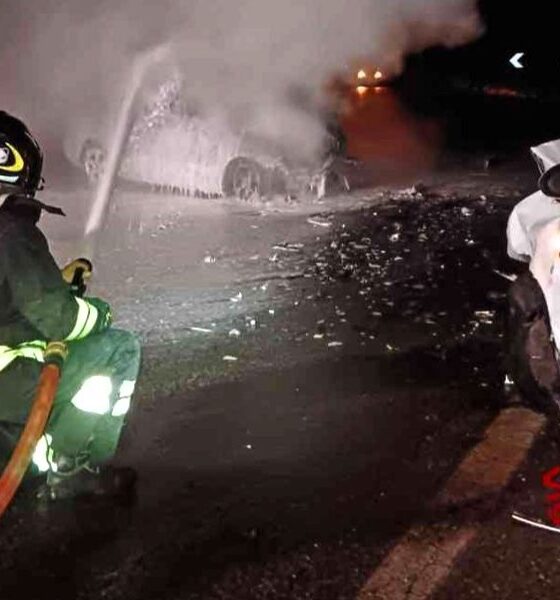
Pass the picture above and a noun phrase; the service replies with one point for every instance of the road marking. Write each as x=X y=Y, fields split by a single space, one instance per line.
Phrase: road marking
x=418 y=564
x=423 y=558
x=490 y=465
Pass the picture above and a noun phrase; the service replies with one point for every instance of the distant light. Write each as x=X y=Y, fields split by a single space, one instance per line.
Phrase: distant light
x=362 y=74
x=362 y=90
x=378 y=75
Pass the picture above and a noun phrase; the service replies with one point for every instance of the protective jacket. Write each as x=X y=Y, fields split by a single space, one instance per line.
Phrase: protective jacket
x=36 y=305
x=533 y=234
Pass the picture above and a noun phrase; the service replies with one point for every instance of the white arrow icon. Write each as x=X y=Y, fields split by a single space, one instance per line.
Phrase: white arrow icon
x=516 y=60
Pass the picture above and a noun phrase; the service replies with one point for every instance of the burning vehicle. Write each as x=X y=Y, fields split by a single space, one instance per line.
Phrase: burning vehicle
x=175 y=146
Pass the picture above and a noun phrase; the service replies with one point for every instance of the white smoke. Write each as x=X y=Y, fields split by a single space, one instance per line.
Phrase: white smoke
x=66 y=61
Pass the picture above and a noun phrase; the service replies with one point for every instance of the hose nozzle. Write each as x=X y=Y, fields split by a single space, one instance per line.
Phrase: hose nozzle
x=56 y=353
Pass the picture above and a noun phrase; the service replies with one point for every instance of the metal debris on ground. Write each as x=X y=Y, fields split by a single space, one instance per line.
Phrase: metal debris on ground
x=319 y=222
x=294 y=248
x=251 y=322
x=511 y=277
x=534 y=523
x=485 y=316
x=201 y=330
x=416 y=192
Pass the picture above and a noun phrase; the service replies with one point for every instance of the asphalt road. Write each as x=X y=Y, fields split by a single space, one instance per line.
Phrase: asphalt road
x=312 y=374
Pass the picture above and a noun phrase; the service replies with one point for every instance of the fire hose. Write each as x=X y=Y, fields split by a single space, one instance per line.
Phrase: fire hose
x=55 y=355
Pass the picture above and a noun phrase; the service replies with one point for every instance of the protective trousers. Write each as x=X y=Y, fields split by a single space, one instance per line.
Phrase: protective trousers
x=92 y=401
x=532 y=356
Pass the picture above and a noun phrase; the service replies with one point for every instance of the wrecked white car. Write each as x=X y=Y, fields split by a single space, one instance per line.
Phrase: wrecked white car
x=533 y=232
x=175 y=148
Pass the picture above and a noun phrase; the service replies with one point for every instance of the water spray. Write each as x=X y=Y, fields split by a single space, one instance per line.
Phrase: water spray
x=98 y=213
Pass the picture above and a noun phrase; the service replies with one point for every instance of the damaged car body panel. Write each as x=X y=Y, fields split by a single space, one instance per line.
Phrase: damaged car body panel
x=173 y=146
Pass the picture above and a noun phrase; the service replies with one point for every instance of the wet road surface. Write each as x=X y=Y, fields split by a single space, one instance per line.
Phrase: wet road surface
x=311 y=376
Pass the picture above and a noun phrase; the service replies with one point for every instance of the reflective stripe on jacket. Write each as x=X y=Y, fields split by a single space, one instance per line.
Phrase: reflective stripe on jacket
x=86 y=321
x=32 y=350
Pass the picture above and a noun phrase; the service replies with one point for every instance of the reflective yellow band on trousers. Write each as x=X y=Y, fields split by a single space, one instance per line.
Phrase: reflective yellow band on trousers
x=32 y=350
x=85 y=321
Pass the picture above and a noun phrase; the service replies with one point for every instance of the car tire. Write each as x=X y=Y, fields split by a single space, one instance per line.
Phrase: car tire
x=245 y=178
x=336 y=183
x=92 y=159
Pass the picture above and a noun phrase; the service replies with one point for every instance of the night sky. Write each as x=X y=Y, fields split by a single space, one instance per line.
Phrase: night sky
x=529 y=27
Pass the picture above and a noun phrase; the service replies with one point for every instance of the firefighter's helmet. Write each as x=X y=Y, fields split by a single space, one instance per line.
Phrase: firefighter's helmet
x=21 y=159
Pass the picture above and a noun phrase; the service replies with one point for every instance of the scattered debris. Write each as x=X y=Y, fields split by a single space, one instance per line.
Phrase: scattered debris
x=294 y=248
x=534 y=523
x=511 y=278
x=485 y=316
x=416 y=192
x=318 y=222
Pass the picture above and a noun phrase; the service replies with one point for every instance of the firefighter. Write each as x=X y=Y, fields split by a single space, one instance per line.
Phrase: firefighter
x=38 y=305
x=533 y=235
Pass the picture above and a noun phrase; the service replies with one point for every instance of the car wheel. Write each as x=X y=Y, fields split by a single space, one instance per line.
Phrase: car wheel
x=244 y=178
x=92 y=159
x=336 y=183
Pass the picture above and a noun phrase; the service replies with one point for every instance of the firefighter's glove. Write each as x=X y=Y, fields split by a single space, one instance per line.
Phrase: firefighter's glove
x=105 y=318
x=77 y=274
x=69 y=271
